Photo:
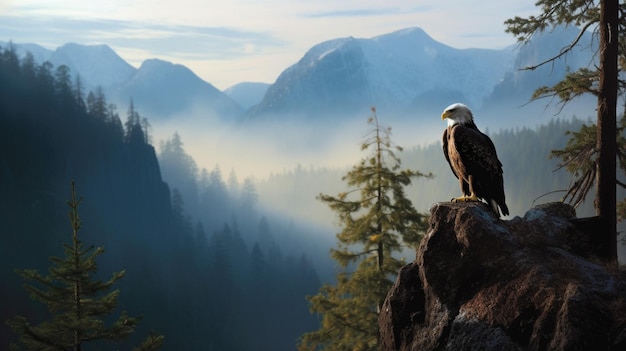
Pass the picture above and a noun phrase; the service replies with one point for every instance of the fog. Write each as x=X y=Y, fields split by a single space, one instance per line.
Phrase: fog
x=292 y=161
x=271 y=150
x=259 y=149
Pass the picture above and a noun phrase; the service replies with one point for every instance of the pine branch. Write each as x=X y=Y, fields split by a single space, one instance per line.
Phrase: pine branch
x=563 y=51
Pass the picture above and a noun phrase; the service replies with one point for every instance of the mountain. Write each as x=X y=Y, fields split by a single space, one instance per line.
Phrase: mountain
x=161 y=89
x=40 y=54
x=247 y=94
x=510 y=97
x=408 y=75
x=389 y=71
x=97 y=65
x=405 y=74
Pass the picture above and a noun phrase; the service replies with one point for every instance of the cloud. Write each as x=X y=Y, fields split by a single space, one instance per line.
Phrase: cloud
x=185 y=41
x=366 y=12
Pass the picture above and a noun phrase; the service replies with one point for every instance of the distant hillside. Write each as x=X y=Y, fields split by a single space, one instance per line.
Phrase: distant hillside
x=160 y=89
x=247 y=94
x=528 y=174
x=508 y=105
x=164 y=90
x=40 y=54
x=97 y=65
x=175 y=269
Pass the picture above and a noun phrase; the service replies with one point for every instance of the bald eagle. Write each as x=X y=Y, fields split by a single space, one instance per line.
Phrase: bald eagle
x=473 y=159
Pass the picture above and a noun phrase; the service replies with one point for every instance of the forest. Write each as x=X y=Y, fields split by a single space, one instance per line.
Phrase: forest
x=203 y=289
x=209 y=264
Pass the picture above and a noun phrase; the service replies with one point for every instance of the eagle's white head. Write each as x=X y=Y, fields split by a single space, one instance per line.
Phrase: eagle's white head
x=457 y=114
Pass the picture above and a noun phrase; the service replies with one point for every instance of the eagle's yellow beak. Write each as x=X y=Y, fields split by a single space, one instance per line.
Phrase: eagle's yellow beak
x=445 y=115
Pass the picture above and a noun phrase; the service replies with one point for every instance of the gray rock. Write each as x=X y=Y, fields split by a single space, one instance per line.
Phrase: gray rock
x=531 y=283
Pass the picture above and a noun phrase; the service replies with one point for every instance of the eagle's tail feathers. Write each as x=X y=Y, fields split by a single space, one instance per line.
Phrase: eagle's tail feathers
x=505 y=209
x=494 y=206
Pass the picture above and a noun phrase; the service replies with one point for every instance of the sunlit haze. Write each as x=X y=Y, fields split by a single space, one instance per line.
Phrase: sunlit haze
x=228 y=42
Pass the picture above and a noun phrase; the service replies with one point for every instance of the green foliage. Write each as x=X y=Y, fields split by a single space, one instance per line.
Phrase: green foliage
x=378 y=220
x=77 y=302
x=153 y=342
x=136 y=129
x=168 y=256
x=581 y=153
x=573 y=85
x=579 y=157
x=553 y=13
x=581 y=13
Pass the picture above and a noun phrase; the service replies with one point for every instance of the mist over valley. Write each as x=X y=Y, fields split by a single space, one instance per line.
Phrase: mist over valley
x=209 y=197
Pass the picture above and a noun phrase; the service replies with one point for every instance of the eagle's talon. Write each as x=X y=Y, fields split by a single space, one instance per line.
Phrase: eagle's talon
x=471 y=198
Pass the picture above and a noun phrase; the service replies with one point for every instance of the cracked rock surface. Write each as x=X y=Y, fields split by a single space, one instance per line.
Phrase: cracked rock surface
x=481 y=283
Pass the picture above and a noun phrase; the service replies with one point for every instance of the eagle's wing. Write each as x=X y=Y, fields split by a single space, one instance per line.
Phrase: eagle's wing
x=478 y=154
x=445 y=150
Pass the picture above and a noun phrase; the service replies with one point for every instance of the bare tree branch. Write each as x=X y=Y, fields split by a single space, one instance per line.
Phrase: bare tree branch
x=564 y=51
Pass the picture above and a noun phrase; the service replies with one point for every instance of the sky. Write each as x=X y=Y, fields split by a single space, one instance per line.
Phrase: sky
x=233 y=41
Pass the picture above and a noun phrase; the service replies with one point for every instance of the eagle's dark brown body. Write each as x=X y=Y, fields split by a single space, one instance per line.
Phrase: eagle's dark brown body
x=473 y=160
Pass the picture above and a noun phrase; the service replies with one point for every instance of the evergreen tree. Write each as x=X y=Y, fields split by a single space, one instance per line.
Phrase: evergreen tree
x=233 y=184
x=29 y=68
x=79 y=94
x=182 y=222
x=78 y=303
x=115 y=124
x=378 y=221
x=599 y=163
x=63 y=84
x=213 y=197
x=180 y=171
x=44 y=78
x=134 y=130
x=146 y=127
x=97 y=104
x=248 y=197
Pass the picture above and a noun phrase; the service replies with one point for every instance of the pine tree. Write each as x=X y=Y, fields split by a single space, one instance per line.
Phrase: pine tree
x=63 y=84
x=378 y=221
x=77 y=302
x=134 y=130
x=600 y=151
x=97 y=104
x=79 y=94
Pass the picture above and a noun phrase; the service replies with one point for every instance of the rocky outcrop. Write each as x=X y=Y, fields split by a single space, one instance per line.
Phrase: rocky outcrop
x=481 y=283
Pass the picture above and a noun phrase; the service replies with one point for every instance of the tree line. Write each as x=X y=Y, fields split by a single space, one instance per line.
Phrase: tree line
x=202 y=279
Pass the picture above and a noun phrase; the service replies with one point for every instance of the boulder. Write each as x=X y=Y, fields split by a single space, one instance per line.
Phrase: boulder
x=482 y=283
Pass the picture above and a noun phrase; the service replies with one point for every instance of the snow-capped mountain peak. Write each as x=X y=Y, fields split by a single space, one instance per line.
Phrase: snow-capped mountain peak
x=390 y=70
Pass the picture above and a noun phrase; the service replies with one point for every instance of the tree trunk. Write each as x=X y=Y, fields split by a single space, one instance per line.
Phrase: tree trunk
x=607 y=134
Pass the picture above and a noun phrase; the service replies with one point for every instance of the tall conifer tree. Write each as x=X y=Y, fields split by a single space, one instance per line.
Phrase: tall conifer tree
x=78 y=303
x=590 y=158
x=378 y=221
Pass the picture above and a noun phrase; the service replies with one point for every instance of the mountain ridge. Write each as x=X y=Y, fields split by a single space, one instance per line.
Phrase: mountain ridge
x=97 y=65
x=387 y=71
x=163 y=89
x=247 y=94
x=403 y=73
